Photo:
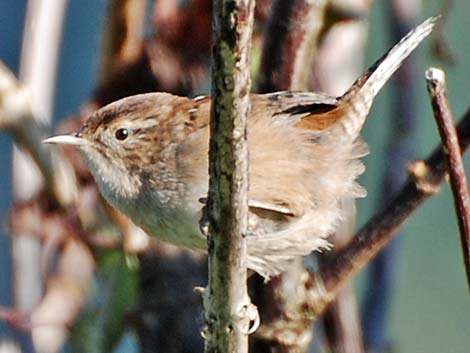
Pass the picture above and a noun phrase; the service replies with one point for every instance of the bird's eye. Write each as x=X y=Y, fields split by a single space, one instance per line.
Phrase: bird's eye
x=121 y=134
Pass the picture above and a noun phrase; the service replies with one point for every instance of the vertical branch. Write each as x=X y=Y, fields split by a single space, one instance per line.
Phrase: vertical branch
x=442 y=112
x=290 y=38
x=340 y=57
x=227 y=210
x=39 y=53
x=123 y=35
x=25 y=109
x=37 y=71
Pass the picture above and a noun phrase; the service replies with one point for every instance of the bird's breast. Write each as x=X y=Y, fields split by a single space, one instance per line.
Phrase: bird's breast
x=172 y=223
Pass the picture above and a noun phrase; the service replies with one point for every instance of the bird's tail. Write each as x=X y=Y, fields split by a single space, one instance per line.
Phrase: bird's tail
x=358 y=100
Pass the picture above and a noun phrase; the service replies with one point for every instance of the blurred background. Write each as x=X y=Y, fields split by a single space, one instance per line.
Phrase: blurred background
x=426 y=306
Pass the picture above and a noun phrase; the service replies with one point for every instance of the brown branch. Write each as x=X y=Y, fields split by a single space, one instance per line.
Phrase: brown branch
x=291 y=37
x=123 y=35
x=227 y=305
x=341 y=321
x=425 y=178
x=445 y=122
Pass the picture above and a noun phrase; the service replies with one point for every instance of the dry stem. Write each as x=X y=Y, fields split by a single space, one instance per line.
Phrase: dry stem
x=442 y=112
x=123 y=36
x=291 y=36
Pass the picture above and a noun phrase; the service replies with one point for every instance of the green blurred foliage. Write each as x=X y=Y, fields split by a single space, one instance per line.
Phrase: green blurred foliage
x=104 y=321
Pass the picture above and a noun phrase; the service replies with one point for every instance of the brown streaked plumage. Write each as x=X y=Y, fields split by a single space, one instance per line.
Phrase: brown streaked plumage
x=149 y=156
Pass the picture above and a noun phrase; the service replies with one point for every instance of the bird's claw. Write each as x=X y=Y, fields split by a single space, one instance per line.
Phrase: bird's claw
x=250 y=311
x=204 y=222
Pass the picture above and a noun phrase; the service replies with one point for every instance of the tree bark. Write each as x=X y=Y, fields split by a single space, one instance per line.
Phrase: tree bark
x=227 y=303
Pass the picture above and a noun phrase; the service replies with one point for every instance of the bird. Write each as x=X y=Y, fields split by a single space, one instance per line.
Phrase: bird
x=148 y=154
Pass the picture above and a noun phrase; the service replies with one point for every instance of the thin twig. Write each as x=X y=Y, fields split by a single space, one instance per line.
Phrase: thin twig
x=227 y=305
x=443 y=114
x=425 y=178
x=342 y=323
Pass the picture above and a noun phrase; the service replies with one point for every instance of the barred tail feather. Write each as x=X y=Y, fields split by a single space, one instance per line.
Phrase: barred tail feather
x=358 y=100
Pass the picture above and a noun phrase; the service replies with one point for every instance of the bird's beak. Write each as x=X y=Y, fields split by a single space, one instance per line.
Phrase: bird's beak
x=73 y=139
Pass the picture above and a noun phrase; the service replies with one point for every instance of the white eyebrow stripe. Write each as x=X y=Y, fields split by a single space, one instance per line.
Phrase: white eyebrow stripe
x=144 y=124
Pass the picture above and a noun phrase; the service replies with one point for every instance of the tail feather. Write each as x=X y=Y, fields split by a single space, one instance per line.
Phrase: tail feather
x=357 y=101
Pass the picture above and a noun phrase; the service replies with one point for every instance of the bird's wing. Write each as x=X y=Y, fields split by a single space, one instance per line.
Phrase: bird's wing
x=282 y=162
x=308 y=110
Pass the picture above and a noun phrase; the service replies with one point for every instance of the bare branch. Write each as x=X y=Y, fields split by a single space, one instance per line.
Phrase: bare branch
x=39 y=56
x=228 y=306
x=123 y=35
x=37 y=71
x=39 y=53
x=292 y=34
x=343 y=324
x=445 y=122
x=16 y=118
